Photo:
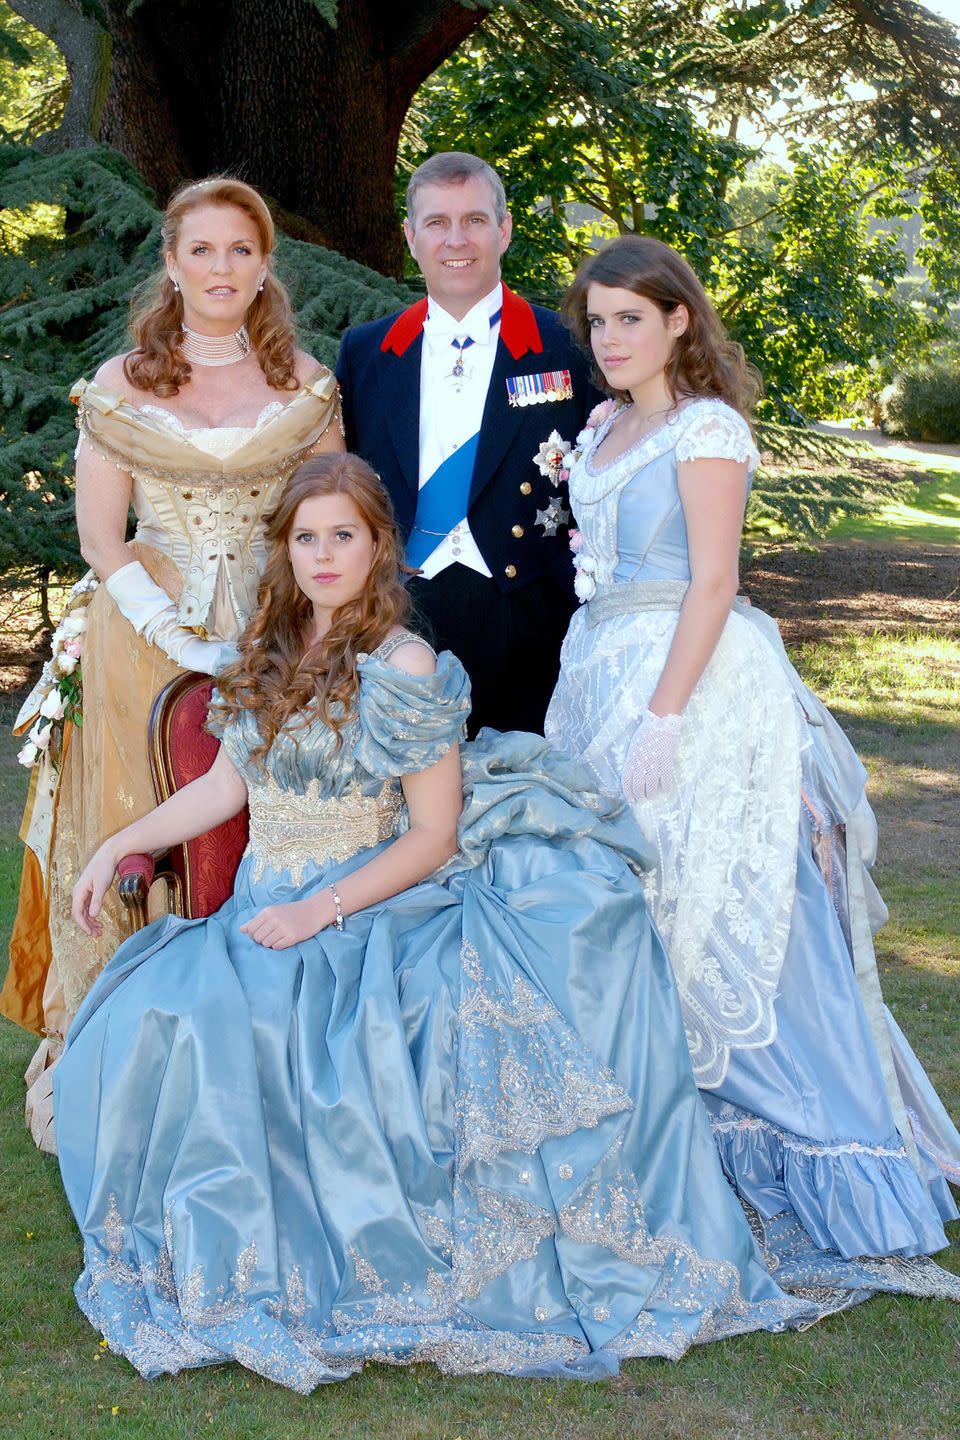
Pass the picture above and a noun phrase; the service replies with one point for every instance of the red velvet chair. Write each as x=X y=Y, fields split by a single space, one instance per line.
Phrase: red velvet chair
x=199 y=874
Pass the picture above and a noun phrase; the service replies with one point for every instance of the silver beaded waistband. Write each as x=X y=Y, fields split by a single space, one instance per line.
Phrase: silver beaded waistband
x=289 y=831
x=633 y=596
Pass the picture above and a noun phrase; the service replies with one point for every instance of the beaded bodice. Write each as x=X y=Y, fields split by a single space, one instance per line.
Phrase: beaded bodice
x=200 y=495
x=289 y=831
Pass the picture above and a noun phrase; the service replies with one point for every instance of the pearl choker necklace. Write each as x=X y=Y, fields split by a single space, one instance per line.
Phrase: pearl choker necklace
x=214 y=349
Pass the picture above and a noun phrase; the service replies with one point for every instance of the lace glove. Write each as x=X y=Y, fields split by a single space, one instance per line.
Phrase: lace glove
x=648 y=768
x=153 y=615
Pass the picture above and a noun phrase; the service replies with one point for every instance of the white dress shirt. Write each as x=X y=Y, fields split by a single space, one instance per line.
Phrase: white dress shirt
x=451 y=410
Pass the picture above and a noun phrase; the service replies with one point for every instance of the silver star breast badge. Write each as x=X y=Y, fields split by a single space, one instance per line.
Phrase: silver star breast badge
x=553 y=517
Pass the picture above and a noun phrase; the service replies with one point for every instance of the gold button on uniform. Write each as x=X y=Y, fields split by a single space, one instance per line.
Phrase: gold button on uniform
x=517 y=532
x=526 y=488
x=511 y=572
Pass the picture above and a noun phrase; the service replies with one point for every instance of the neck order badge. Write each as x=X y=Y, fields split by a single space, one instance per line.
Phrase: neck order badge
x=456 y=374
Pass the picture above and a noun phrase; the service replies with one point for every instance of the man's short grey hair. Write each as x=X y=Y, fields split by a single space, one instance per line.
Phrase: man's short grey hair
x=455 y=167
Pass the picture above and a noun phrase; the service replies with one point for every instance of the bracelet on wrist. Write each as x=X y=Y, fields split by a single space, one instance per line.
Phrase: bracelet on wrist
x=338 y=922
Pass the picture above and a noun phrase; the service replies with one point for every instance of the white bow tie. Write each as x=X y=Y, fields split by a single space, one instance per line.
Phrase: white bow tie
x=442 y=330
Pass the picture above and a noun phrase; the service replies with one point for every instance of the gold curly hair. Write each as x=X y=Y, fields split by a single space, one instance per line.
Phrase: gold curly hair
x=279 y=674
x=156 y=310
x=705 y=361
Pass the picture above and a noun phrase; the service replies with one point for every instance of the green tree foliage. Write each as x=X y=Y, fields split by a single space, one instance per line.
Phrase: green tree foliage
x=65 y=289
x=581 y=106
x=631 y=116
x=813 y=291
x=799 y=503
x=304 y=98
x=923 y=401
x=809 y=479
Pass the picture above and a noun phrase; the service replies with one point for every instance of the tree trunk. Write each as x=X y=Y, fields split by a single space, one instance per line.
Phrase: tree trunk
x=86 y=49
x=309 y=114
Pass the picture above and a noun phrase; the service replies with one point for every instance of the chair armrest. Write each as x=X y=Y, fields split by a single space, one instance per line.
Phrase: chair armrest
x=135 y=876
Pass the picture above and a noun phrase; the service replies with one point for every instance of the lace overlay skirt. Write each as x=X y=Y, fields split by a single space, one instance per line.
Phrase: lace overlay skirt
x=725 y=834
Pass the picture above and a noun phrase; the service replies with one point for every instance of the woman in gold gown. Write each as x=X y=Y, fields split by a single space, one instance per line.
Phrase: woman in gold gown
x=197 y=428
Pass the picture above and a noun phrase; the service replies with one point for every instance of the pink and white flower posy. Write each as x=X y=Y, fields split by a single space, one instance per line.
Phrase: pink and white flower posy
x=595 y=419
x=58 y=691
x=584 y=581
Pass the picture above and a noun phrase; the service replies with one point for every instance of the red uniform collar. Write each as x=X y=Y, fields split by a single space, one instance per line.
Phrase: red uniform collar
x=518 y=327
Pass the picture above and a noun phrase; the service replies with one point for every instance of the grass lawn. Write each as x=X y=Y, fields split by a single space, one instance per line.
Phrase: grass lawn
x=931 y=517
x=885 y=1371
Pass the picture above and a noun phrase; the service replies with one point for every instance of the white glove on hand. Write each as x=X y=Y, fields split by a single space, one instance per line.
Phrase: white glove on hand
x=153 y=615
x=648 y=768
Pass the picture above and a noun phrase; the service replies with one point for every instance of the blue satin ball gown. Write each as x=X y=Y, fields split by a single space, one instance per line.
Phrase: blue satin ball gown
x=463 y=1130
x=824 y=1119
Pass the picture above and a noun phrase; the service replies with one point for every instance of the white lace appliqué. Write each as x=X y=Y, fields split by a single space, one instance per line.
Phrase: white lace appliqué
x=717 y=433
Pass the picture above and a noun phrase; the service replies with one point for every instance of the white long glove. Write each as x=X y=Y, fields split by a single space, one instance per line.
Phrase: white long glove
x=153 y=615
x=648 y=768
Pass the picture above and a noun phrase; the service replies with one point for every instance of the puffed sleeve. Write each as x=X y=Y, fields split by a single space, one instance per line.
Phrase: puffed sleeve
x=408 y=722
x=96 y=406
x=716 y=432
x=237 y=736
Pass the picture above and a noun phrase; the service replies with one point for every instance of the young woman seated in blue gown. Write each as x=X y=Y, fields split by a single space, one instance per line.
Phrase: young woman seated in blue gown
x=420 y=1090
x=680 y=696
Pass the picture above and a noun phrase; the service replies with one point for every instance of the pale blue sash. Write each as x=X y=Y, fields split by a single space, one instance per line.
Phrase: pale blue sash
x=442 y=502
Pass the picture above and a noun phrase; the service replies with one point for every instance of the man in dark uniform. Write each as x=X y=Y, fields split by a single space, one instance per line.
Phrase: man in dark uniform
x=451 y=401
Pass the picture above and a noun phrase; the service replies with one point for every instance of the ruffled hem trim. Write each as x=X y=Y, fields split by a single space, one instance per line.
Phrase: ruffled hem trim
x=853 y=1198
x=939 y=1169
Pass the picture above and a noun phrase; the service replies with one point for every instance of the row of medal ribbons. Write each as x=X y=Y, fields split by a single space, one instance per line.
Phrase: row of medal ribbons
x=538 y=389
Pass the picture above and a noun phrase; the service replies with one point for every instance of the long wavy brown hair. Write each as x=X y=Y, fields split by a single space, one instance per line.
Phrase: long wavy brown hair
x=156 y=310
x=705 y=361
x=279 y=674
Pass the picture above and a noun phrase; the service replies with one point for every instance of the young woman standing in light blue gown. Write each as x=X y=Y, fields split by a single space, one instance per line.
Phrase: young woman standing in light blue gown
x=679 y=695
x=373 y=1109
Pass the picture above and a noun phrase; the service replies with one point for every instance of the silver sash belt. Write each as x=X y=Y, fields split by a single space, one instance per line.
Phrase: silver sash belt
x=633 y=596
